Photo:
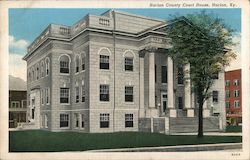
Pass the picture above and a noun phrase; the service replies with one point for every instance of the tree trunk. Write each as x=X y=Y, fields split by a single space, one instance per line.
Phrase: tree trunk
x=200 y=115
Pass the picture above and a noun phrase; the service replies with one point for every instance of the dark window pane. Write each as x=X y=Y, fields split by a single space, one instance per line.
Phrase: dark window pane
x=104 y=97
x=164 y=74
x=129 y=124
x=64 y=70
x=104 y=65
x=180 y=104
x=128 y=98
x=64 y=100
x=180 y=75
x=83 y=66
x=104 y=124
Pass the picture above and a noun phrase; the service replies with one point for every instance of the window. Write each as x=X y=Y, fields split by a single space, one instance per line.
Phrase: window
x=46 y=120
x=77 y=94
x=227 y=83
x=33 y=74
x=64 y=64
x=24 y=103
x=104 y=62
x=129 y=94
x=32 y=113
x=83 y=93
x=236 y=82
x=15 y=104
x=227 y=104
x=76 y=120
x=64 y=120
x=215 y=96
x=77 y=64
x=104 y=92
x=227 y=93
x=37 y=72
x=42 y=69
x=83 y=62
x=47 y=95
x=64 y=95
x=129 y=120
x=236 y=104
x=82 y=124
x=164 y=74
x=180 y=75
x=180 y=102
x=47 y=66
x=104 y=120
x=236 y=93
x=129 y=62
x=42 y=96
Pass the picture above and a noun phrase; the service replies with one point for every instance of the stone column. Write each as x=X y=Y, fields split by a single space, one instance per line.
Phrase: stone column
x=188 y=106
x=142 y=109
x=151 y=86
x=172 y=110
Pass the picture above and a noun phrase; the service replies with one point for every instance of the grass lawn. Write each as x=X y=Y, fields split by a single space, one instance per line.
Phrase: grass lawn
x=36 y=140
x=234 y=129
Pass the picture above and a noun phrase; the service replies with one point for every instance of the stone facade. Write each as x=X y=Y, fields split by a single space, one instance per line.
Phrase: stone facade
x=105 y=73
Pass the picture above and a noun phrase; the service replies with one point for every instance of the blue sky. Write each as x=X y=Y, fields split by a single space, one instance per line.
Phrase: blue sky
x=26 y=24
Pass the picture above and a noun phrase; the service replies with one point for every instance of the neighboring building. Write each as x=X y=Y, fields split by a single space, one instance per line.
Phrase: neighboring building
x=233 y=96
x=108 y=73
x=17 y=102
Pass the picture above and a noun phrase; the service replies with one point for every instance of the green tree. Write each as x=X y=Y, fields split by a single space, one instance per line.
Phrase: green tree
x=205 y=42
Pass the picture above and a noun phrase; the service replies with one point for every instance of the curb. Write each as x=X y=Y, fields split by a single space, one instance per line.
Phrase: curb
x=182 y=148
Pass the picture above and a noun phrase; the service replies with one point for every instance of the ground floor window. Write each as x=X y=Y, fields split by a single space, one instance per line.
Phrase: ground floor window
x=64 y=120
x=129 y=120
x=76 y=120
x=82 y=123
x=104 y=120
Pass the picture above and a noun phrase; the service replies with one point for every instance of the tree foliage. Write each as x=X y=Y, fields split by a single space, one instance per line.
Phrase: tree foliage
x=205 y=42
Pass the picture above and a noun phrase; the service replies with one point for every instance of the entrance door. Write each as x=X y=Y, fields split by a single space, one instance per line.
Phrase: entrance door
x=164 y=102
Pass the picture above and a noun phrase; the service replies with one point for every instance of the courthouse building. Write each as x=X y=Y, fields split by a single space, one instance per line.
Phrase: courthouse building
x=108 y=73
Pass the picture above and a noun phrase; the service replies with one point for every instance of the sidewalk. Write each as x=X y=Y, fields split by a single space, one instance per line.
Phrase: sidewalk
x=212 y=134
x=226 y=147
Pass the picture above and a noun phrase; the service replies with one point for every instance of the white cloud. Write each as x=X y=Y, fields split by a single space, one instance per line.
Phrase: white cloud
x=236 y=63
x=18 y=46
x=17 y=66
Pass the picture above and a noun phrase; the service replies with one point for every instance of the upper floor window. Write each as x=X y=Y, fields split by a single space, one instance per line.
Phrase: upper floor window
x=129 y=94
x=83 y=93
x=104 y=92
x=129 y=120
x=236 y=104
x=42 y=69
x=77 y=94
x=37 y=72
x=104 y=62
x=129 y=62
x=164 y=74
x=180 y=75
x=64 y=95
x=227 y=93
x=64 y=64
x=47 y=66
x=77 y=64
x=24 y=103
x=15 y=104
x=236 y=82
x=42 y=96
x=215 y=96
x=236 y=93
x=83 y=62
x=227 y=104
x=227 y=83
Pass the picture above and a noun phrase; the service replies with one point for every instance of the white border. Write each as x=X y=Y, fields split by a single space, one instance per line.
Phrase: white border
x=4 y=5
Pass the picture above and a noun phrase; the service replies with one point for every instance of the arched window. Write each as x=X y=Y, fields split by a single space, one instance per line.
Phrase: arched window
x=83 y=62
x=33 y=74
x=129 y=60
x=64 y=64
x=37 y=71
x=104 y=54
x=77 y=63
x=42 y=69
x=47 y=66
x=29 y=75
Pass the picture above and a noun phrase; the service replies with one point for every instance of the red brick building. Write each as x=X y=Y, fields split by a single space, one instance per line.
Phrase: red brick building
x=233 y=97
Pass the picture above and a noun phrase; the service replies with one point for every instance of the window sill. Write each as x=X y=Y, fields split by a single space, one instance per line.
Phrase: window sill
x=104 y=102
x=64 y=74
x=105 y=70
x=82 y=71
x=180 y=85
x=66 y=104
x=129 y=103
x=64 y=127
